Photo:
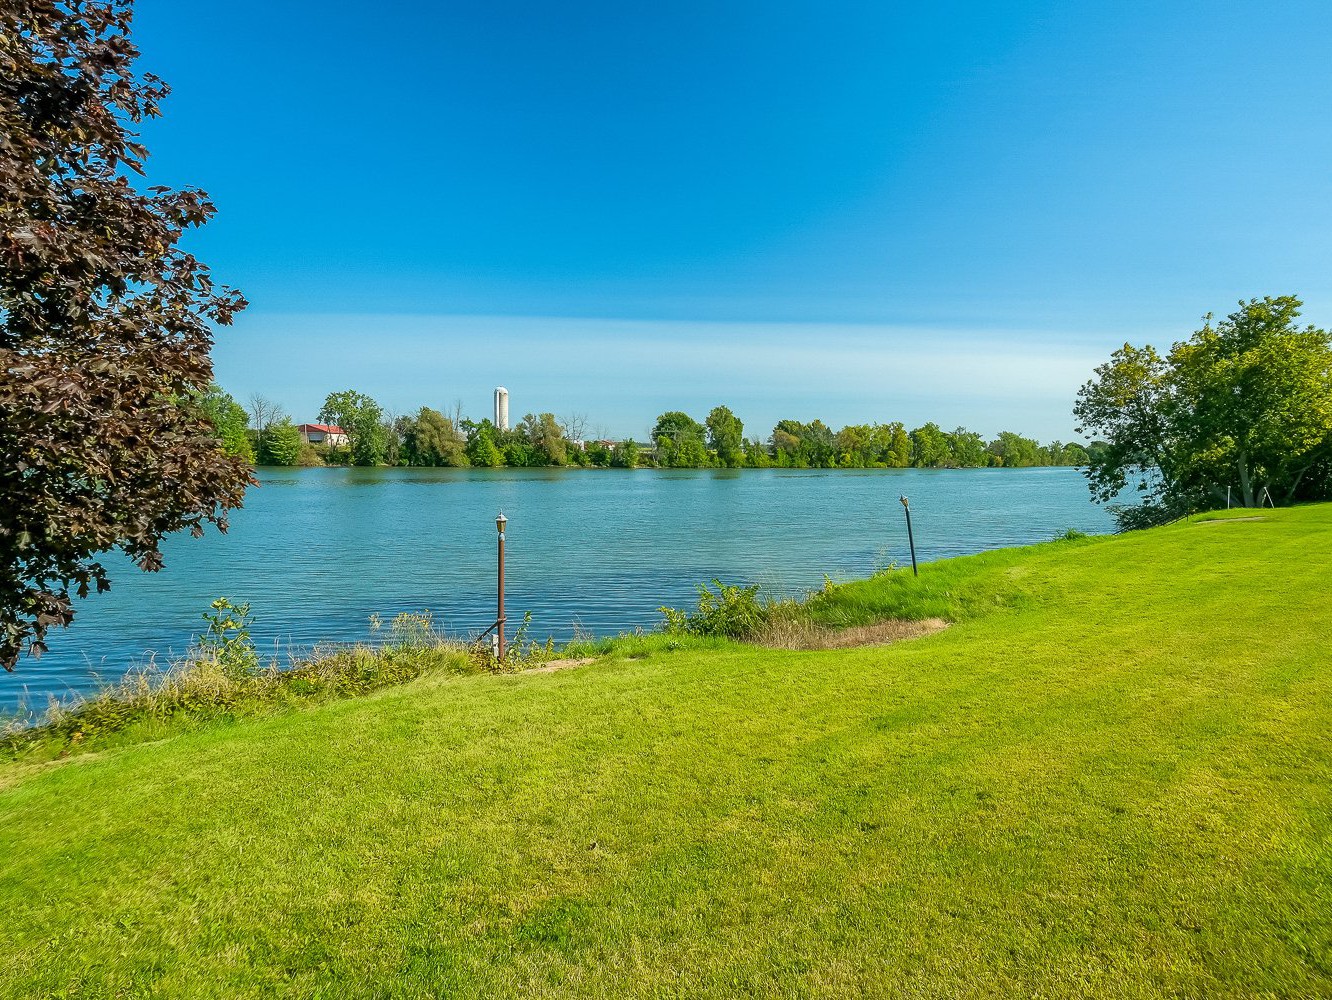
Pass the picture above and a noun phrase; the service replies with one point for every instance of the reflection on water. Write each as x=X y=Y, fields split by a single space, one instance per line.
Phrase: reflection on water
x=317 y=551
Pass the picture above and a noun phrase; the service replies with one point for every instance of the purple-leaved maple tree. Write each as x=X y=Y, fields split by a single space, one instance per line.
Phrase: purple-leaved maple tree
x=105 y=323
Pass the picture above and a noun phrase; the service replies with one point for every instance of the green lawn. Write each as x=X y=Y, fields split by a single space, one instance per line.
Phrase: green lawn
x=1112 y=777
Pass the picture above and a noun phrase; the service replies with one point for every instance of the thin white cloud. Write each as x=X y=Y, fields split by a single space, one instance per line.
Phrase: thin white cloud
x=623 y=372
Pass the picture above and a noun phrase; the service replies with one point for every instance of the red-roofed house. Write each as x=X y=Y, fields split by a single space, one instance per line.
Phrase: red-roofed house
x=329 y=434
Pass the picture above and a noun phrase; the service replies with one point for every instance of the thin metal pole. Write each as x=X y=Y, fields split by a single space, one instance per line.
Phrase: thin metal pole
x=911 y=539
x=499 y=618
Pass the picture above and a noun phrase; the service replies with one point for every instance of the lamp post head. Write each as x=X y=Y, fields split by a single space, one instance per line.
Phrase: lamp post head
x=904 y=501
x=500 y=522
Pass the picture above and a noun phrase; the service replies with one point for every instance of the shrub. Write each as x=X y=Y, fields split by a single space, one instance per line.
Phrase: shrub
x=732 y=611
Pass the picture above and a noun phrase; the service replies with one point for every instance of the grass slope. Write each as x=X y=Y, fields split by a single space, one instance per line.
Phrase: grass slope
x=1112 y=777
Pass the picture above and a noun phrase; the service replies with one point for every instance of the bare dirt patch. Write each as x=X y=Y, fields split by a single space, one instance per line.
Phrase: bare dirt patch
x=550 y=666
x=803 y=635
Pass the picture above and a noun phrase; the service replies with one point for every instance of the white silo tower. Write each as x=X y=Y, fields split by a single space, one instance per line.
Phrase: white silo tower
x=502 y=408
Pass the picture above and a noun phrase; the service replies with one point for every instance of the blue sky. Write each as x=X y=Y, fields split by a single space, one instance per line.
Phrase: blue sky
x=876 y=211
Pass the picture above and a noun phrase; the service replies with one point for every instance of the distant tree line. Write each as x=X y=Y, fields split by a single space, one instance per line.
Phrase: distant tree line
x=679 y=441
x=263 y=433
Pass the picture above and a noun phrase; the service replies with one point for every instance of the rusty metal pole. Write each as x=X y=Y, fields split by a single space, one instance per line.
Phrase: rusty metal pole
x=911 y=539
x=500 y=522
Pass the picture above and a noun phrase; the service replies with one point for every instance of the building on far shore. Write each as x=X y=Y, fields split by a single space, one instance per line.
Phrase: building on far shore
x=329 y=434
x=502 y=408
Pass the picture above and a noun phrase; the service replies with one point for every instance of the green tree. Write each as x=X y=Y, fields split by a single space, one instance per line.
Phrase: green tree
x=819 y=445
x=1061 y=454
x=546 y=437
x=968 y=449
x=930 y=447
x=484 y=448
x=598 y=455
x=1256 y=392
x=282 y=444
x=361 y=419
x=1244 y=404
x=230 y=422
x=757 y=455
x=726 y=437
x=264 y=413
x=680 y=440
x=1074 y=454
x=892 y=444
x=1131 y=401
x=519 y=454
x=855 y=447
x=485 y=453
x=803 y=446
x=391 y=430
x=431 y=439
x=106 y=324
x=1013 y=451
x=785 y=441
x=625 y=454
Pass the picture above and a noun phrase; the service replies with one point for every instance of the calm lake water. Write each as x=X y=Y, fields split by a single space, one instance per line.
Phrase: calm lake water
x=317 y=551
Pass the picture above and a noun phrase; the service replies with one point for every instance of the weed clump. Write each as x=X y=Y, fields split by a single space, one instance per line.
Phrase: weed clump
x=827 y=618
x=520 y=653
x=227 y=638
x=732 y=611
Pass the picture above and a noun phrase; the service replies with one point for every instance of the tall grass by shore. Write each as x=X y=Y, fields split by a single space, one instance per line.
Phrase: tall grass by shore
x=223 y=677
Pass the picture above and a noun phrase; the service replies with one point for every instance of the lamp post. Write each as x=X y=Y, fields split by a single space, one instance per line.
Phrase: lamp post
x=500 y=522
x=911 y=539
